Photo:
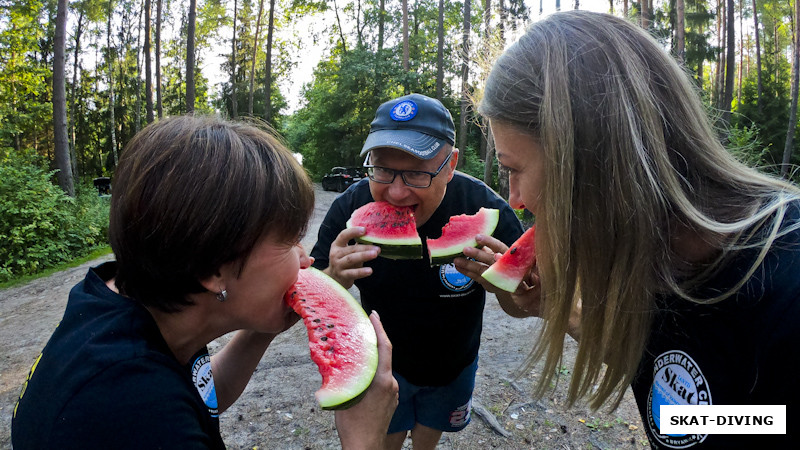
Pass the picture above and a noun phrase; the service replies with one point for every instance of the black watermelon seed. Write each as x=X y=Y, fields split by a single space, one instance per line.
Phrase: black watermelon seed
x=513 y=250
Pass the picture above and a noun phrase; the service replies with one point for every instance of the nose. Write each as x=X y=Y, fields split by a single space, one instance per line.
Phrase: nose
x=305 y=260
x=514 y=199
x=397 y=190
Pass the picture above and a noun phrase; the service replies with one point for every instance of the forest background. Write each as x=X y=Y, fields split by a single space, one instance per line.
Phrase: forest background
x=79 y=78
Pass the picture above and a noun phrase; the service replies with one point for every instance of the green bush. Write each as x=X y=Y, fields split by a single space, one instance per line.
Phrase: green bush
x=40 y=226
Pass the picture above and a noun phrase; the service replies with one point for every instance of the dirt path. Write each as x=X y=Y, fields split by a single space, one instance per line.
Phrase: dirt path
x=277 y=410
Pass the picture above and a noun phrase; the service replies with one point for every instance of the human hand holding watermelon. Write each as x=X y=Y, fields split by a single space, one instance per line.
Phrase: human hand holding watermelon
x=365 y=424
x=346 y=262
x=513 y=280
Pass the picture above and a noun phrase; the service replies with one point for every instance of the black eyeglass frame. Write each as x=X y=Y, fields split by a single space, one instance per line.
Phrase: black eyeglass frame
x=402 y=173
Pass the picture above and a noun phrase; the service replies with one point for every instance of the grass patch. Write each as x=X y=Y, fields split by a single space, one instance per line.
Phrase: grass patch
x=102 y=251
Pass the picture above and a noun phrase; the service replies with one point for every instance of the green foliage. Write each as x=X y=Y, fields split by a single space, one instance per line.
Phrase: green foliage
x=473 y=165
x=746 y=146
x=39 y=225
x=770 y=122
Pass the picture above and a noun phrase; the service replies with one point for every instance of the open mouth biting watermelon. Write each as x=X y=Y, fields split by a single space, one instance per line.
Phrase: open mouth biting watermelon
x=341 y=338
x=460 y=232
x=509 y=270
x=392 y=228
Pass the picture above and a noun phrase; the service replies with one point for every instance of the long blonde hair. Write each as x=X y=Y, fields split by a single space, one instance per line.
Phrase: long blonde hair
x=630 y=151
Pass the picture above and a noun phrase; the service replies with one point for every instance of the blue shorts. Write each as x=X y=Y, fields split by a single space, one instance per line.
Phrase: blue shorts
x=445 y=408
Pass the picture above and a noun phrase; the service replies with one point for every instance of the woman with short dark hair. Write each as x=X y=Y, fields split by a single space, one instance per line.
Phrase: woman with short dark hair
x=206 y=219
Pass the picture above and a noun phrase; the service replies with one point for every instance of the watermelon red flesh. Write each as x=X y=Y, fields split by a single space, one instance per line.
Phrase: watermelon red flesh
x=460 y=232
x=392 y=228
x=509 y=270
x=341 y=338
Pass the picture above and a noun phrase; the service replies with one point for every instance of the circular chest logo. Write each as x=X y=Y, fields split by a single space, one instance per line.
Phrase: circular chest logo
x=204 y=383
x=454 y=280
x=677 y=380
x=404 y=111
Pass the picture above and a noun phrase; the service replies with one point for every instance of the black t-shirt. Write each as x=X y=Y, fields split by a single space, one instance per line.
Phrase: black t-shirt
x=741 y=351
x=106 y=379
x=433 y=315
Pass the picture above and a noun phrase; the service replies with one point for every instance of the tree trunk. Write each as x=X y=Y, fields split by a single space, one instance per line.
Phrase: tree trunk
x=138 y=114
x=190 y=56
x=159 y=103
x=112 y=128
x=61 y=142
x=75 y=69
x=730 y=60
x=253 y=62
x=268 y=83
x=645 y=15
x=341 y=32
x=719 y=78
x=462 y=129
x=148 y=76
x=740 y=68
x=502 y=172
x=405 y=35
x=440 y=54
x=758 y=57
x=680 y=31
x=787 y=149
x=234 y=102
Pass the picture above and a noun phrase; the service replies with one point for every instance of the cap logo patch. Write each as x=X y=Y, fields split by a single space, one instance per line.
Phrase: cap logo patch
x=404 y=111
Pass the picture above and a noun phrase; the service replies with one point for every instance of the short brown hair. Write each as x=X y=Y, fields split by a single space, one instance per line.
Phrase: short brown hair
x=193 y=193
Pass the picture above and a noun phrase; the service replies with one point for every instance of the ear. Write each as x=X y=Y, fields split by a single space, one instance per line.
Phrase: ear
x=453 y=163
x=213 y=283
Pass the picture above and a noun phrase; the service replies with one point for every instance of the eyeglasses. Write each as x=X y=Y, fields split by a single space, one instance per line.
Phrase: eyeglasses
x=412 y=178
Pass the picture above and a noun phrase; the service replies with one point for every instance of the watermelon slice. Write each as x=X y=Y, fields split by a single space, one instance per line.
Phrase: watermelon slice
x=341 y=338
x=392 y=228
x=460 y=232
x=508 y=271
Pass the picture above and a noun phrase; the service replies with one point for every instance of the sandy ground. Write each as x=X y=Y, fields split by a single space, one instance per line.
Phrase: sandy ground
x=278 y=410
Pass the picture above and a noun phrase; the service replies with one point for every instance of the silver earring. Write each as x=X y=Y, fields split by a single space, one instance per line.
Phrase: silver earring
x=222 y=296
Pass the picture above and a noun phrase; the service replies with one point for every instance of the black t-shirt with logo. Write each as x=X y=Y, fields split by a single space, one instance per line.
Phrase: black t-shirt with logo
x=744 y=350
x=106 y=379
x=433 y=315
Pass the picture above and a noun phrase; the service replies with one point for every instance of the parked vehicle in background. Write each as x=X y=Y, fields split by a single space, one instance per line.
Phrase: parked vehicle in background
x=340 y=178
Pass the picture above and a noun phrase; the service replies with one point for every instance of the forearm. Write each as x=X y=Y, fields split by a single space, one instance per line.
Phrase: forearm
x=233 y=366
x=574 y=329
x=513 y=309
x=510 y=307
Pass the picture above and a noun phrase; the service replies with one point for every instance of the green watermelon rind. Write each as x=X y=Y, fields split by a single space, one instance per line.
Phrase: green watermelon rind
x=350 y=394
x=446 y=255
x=503 y=281
x=395 y=250
x=499 y=280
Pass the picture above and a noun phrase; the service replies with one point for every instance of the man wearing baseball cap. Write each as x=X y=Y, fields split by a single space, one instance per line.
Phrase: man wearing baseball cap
x=432 y=314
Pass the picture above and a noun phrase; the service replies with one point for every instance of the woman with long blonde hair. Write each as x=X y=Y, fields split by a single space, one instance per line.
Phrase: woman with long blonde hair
x=676 y=267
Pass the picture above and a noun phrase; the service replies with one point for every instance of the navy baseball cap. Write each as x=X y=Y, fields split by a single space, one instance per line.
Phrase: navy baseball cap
x=413 y=123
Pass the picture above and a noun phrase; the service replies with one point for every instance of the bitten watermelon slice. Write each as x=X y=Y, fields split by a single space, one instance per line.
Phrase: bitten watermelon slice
x=509 y=270
x=392 y=228
x=460 y=232
x=341 y=338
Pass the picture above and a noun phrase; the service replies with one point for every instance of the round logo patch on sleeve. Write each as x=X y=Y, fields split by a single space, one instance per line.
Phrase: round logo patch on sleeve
x=204 y=383
x=677 y=380
x=404 y=111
